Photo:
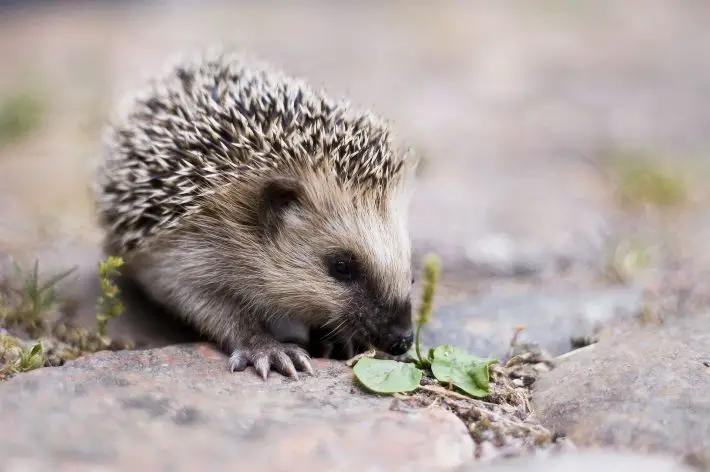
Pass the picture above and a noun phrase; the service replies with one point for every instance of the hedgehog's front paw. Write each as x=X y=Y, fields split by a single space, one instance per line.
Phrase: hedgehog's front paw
x=286 y=359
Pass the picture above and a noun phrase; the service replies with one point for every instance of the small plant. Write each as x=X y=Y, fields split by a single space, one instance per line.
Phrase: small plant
x=446 y=364
x=15 y=358
x=109 y=305
x=30 y=358
x=642 y=181
x=36 y=298
x=432 y=273
x=20 y=114
x=629 y=257
x=24 y=313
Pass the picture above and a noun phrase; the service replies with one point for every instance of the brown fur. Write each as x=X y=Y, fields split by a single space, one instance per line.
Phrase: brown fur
x=234 y=277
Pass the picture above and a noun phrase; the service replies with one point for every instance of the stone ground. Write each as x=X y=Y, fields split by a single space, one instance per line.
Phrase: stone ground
x=517 y=108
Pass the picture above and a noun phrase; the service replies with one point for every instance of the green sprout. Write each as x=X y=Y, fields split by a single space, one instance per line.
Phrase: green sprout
x=432 y=273
x=16 y=358
x=31 y=358
x=109 y=305
x=36 y=298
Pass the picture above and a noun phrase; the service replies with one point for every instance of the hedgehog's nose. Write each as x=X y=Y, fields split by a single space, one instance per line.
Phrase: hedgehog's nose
x=399 y=342
x=399 y=335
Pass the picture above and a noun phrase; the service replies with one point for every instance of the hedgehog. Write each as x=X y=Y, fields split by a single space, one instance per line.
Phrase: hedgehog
x=258 y=209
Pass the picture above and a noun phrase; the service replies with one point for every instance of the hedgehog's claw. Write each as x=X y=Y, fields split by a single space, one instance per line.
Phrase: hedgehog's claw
x=238 y=361
x=261 y=365
x=284 y=364
x=287 y=359
x=302 y=362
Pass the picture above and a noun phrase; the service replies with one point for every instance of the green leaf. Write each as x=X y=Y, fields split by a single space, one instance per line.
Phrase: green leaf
x=386 y=376
x=34 y=362
x=36 y=350
x=426 y=355
x=430 y=354
x=467 y=372
x=56 y=279
x=412 y=353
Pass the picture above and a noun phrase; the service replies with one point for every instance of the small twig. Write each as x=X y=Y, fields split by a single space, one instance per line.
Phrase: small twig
x=447 y=393
x=353 y=360
x=514 y=340
x=434 y=403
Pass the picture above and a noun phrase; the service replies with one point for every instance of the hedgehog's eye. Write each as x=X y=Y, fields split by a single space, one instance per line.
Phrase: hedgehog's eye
x=343 y=268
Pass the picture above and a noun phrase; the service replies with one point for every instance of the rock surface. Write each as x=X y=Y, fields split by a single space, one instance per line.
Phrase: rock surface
x=484 y=325
x=648 y=391
x=583 y=461
x=178 y=408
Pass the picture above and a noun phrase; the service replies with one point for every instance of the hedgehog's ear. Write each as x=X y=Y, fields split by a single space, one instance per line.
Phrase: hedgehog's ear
x=277 y=194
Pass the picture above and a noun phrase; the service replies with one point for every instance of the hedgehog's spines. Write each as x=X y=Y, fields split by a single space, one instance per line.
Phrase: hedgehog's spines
x=212 y=119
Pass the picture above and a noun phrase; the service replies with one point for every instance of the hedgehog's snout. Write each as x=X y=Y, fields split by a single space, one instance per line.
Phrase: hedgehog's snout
x=398 y=336
x=399 y=342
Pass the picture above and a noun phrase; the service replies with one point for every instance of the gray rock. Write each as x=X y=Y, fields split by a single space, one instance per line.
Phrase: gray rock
x=178 y=408
x=647 y=390
x=499 y=255
x=485 y=325
x=582 y=461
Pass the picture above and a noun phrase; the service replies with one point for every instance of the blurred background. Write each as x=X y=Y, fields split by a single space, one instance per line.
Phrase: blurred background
x=557 y=136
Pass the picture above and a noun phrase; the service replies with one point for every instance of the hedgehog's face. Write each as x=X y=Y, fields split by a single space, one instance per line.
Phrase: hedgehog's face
x=338 y=261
